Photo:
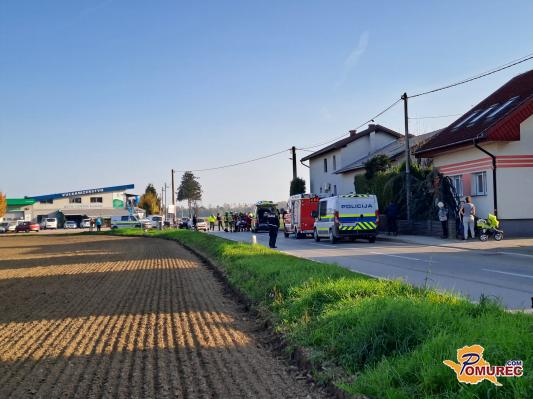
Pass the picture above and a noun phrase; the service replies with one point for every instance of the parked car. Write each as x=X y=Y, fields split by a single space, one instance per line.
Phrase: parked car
x=4 y=227
x=12 y=226
x=85 y=224
x=201 y=224
x=26 y=227
x=184 y=223
x=352 y=216
x=147 y=223
x=70 y=224
x=49 y=223
x=156 y=220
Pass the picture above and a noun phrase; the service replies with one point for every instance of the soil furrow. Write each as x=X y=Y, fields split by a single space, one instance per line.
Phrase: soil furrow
x=101 y=316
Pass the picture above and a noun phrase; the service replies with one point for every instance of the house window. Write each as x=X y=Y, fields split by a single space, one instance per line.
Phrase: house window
x=334 y=162
x=96 y=200
x=457 y=182
x=334 y=189
x=47 y=201
x=325 y=165
x=75 y=200
x=479 y=182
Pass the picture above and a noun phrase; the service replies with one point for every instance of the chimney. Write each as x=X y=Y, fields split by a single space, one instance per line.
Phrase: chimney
x=352 y=133
x=372 y=126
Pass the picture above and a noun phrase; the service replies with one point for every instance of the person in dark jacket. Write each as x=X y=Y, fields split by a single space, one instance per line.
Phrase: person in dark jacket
x=392 y=217
x=194 y=221
x=273 y=227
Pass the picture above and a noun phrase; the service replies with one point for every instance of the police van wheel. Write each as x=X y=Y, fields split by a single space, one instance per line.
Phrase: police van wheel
x=372 y=240
x=332 y=238
x=498 y=236
x=315 y=235
x=484 y=237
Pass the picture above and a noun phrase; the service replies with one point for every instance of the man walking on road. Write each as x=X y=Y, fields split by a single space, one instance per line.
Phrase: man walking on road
x=273 y=227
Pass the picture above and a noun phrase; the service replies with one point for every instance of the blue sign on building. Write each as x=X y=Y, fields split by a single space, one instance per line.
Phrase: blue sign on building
x=83 y=192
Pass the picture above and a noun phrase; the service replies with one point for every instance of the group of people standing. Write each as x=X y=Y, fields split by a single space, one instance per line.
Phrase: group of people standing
x=467 y=213
x=95 y=223
x=231 y=221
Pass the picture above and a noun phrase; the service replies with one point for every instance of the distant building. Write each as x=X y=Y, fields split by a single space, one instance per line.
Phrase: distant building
x=488 y=154
x=324 y=163
x=103 y=202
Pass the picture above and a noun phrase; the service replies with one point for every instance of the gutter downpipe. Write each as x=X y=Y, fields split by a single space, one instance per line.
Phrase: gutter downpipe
x=495 y=191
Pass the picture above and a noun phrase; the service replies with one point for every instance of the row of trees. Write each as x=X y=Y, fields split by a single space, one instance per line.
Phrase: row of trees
x=3 y=204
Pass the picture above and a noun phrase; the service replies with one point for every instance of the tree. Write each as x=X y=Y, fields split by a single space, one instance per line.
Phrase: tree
x=297 y=186
x=3 y=204
x=379 y=163
x=189 y=190
x=149 y=201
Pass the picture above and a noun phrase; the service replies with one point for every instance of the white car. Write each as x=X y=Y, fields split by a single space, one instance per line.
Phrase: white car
x=85 y=224
x=201 y=224
x=156 y=220
x=49 y=223
x=12 y=227
x=70 y=224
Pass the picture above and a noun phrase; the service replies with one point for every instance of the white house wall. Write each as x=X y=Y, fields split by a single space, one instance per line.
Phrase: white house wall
x=344 y=156
x=514 y=173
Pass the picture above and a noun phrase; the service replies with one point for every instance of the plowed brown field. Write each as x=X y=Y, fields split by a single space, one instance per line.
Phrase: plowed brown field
x=96 y=316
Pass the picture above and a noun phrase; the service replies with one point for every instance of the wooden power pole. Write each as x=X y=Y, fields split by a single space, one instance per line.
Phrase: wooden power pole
x=173 y=198
x=407 y=161
x=294 y=172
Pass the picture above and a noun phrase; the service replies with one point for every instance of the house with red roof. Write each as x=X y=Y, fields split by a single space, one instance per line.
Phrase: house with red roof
x=488 y=154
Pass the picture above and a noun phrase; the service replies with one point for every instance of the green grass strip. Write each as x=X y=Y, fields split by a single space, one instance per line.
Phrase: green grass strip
x=381 y=338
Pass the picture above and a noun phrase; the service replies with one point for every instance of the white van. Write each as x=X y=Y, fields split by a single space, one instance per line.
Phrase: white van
x=128 y=221
x=351 y=215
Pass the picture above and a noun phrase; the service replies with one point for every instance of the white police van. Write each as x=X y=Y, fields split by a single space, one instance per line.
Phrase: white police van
x=351 y=215
x=126 y=221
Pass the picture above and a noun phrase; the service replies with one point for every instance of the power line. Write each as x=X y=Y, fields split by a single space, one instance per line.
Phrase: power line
x=234 y=164
x=357 y=127
x=434 y=117
x=482 y=75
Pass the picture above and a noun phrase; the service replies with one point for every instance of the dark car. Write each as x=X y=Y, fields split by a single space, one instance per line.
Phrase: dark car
x=184 y=223
x=26 y=227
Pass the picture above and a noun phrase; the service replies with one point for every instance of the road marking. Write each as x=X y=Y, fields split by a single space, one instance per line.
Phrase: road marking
x=395 y=256
x=514 y=253
x=326 y=245
x=511 y=274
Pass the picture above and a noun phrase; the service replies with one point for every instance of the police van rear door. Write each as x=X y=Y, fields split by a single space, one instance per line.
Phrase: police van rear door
x=357 y=212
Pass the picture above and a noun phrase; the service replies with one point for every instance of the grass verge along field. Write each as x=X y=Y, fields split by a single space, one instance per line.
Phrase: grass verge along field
x=381 y=338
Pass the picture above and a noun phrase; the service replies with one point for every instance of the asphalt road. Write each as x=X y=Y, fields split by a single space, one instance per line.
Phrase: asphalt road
x=472 y=273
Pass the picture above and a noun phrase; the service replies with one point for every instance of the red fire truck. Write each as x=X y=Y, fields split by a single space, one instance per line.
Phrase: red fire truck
x=298 y=219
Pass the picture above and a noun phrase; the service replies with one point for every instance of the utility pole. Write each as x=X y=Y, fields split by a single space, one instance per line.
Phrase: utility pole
x=407 y=161
x=294 y=172
x=173 y=198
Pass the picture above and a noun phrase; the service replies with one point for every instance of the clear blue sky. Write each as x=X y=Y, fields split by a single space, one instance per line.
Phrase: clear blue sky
x=97 y=93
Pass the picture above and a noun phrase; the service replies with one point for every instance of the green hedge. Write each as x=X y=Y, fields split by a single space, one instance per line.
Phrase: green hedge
x=384 y=339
